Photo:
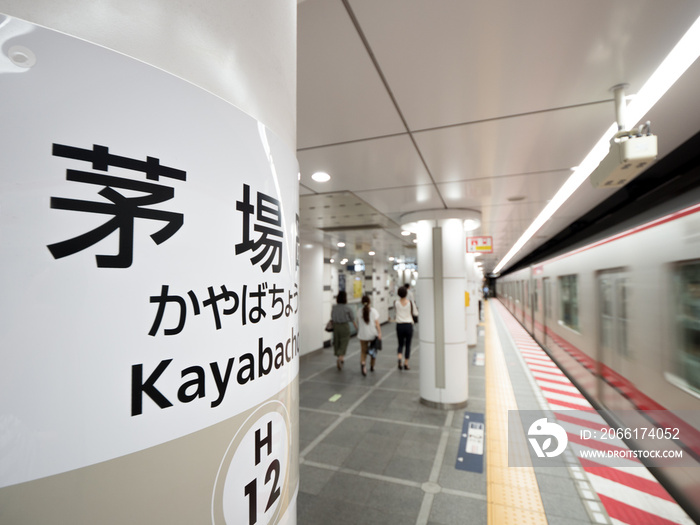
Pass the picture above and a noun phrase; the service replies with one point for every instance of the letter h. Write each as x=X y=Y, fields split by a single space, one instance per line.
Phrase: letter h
x=260 y=443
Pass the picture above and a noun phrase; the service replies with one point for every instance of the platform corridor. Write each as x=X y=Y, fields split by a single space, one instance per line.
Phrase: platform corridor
x=371 y=453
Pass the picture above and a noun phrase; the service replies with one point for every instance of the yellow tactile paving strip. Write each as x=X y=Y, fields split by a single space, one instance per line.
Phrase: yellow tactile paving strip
x=513 y=494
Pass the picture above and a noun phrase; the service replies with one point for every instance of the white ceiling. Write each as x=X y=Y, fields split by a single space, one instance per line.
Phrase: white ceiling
x=421 y=104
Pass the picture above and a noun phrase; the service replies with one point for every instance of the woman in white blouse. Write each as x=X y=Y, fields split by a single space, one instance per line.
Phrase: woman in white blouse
x=405 y=310
x=368 y=328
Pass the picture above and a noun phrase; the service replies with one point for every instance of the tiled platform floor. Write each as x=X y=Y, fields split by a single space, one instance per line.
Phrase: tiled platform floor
x=376 y=455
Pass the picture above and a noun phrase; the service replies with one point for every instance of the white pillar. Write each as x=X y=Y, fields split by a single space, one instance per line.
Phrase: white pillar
x=142 y=374
x=380 y=291
x=242 y=51
x=472 y=310
x=311 y=314
x=441 y=287
x=330 y=290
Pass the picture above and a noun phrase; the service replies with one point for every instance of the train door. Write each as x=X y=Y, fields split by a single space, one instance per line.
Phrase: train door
x=538 y=322
x=613 y=350
x=546 y=307
x=526 y=304
x=533 y=305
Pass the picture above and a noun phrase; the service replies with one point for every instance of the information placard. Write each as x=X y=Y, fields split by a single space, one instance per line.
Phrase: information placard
x=480 y=244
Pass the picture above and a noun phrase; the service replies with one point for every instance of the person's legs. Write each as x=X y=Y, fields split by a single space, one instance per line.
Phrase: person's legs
x=336 y=344
x=401 y=336
x=341 y=338
x=344 y=340
x=364 y=345
x=407 y=353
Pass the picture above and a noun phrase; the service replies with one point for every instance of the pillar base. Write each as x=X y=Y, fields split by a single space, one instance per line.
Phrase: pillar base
x=443 y=406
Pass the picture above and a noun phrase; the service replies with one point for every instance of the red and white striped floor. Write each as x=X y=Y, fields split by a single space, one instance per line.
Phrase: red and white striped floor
x=630 y=494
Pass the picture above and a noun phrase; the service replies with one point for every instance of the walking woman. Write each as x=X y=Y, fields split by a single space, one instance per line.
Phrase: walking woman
x=341 y=315
x=405 y=310
x=368 y=329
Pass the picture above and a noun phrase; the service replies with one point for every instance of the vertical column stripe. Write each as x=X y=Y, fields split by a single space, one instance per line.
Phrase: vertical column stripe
x=439 y=320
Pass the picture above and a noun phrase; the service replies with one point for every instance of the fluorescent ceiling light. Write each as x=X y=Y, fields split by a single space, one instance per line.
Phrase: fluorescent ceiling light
x=674 y=65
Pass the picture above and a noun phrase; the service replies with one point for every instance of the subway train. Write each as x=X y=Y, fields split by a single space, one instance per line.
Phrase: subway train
x=620 y=314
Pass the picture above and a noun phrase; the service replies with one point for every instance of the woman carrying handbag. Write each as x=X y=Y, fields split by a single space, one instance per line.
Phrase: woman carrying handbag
x=405 y=310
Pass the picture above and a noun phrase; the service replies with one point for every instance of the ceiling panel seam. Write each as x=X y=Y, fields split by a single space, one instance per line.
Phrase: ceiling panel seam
x=458 y=181
x=384 y=81
x=457 y=124
x=515 y=115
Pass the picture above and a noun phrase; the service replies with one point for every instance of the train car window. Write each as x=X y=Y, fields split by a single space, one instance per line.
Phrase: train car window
x=686 y=281
x=568 y=300
x=547 y=298
x=526 y=295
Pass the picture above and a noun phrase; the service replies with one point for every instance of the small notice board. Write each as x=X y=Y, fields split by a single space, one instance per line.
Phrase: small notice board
x=481 y=244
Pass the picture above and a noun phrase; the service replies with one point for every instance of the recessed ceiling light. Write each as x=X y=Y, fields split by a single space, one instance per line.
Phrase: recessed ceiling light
x=371 y=253
x=405 y=233
x=340 y=245
x=321 y=176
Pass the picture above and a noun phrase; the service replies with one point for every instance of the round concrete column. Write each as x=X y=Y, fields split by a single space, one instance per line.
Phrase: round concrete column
x=242 y=51
x=472 y=310
x=150 y=327
x=441 y=285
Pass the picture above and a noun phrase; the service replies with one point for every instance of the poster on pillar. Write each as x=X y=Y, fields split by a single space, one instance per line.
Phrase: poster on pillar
x=148 y=326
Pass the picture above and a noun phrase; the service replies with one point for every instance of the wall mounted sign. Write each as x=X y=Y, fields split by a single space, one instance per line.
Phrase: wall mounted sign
x=480 y=244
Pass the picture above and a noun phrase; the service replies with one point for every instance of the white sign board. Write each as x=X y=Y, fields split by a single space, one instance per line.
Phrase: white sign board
x=148 y=323
x=480 y=244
